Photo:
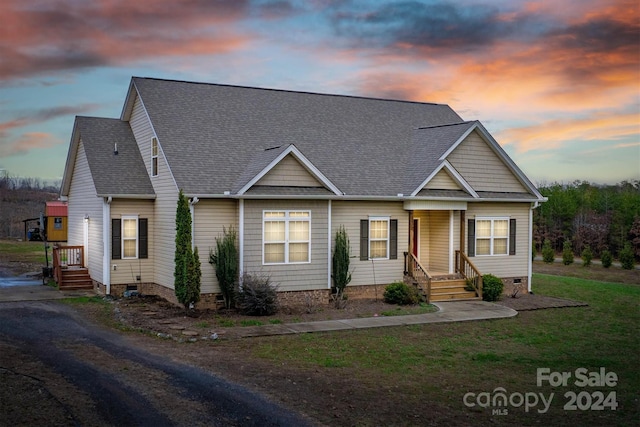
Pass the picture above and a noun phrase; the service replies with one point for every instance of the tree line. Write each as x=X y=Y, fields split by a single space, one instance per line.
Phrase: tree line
x=602 y=217
x=20 y=199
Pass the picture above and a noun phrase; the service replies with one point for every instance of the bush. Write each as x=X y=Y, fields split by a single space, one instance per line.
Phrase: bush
x=567 y=253
x=492 y=287
x=586 y=256
x=400 y=293
x=626 y=257
x=340 y=266
x=258 y=296
x=606 y=258
x=225 y=261
x=548 y=254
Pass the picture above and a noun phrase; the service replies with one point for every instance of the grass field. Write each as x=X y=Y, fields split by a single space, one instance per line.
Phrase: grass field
x=425 y=371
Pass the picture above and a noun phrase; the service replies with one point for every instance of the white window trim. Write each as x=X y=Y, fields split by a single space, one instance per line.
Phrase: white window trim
x=380 y=218
x=154 y=156
x=286 y=219
x=122 y=238
x=492 y=237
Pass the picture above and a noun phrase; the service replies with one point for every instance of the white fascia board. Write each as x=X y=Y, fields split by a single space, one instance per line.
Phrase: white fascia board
x=453 y=173
x=65 y=186
x=291 y=149
x=127 y=108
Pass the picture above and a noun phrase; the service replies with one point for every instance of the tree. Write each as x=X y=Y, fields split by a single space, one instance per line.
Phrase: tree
x=548 y=254
x=586 y=256
x=626 y=257
x=567 y=252
x=340 y=265
x=606 y=258
x=225 y=260
x=186 y=278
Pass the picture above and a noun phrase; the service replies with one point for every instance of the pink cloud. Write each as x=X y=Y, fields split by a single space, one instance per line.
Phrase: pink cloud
x=27 y=142
x=66 y=36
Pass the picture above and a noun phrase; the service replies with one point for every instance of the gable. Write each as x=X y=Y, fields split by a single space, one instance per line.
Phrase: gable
x=289 y=173
x=442 y=181
x=482 y=168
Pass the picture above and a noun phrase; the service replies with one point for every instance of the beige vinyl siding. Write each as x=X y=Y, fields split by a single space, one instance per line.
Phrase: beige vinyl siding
x=210 y=217
x=83 y=201
x=349 y=214
x=482 y=168
x=505 y=265
x=163 y=231
x=442 y=181
x=289 y=172
x=288 y=277
x=435 y=234
x=128 y=269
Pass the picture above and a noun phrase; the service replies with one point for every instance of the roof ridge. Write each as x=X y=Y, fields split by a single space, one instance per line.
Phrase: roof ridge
x=303 y=92
x=466 y=122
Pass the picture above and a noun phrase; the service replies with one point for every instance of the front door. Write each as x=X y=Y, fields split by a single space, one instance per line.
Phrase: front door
x=416 y=238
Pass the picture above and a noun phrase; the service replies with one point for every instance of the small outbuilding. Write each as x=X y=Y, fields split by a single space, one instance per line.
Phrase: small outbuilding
x=56 y=221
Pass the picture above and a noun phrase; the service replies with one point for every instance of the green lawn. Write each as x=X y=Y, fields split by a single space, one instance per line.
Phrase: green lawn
x=431 y=367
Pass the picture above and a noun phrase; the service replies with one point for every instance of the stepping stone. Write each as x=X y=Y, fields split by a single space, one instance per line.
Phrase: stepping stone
x=165 y=322
x=176 y=327
x=190 y=333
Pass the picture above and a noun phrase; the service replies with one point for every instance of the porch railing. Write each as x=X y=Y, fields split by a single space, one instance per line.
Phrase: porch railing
x=419 y=273
x=470 y=272
x=64 y=257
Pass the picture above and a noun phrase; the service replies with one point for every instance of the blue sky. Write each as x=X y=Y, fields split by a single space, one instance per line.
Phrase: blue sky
x=556 y=83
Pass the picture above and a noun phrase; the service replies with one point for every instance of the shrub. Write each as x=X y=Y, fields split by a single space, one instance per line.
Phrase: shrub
x=258 y=296
x=187 y=272
x=400 y=293
x=225 y=261
x=548 y=253
x=606 y=258
x=586 y=256
x=340 y=265
x=626 y=257
x=567 y=252
x=492 y=287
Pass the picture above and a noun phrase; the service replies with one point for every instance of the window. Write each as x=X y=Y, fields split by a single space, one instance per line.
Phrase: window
x=129 y=237
x=154 y=156
x=286 y=237
x=57 y=223
x=492 y=236
x=378 y=238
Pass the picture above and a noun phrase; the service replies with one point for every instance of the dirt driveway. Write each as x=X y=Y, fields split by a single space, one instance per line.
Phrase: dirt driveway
x=57 y=369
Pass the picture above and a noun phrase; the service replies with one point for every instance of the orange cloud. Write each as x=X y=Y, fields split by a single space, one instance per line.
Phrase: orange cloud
x=28 y=142
x=553 y=133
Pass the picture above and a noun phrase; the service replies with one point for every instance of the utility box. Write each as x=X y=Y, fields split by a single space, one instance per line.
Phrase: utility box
x=56 y=219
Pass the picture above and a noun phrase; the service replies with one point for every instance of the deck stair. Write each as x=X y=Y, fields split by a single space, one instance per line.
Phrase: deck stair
x=450 y=287
x=75 y=278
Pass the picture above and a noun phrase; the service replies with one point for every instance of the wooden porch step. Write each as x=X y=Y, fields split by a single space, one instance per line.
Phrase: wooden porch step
x=75 y=278
x=447 y=290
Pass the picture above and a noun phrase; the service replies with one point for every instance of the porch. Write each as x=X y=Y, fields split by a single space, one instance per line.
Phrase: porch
x=69 y=270
x=436 y=262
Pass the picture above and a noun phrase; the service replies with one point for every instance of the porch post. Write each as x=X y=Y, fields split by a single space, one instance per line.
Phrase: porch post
x=462 y=236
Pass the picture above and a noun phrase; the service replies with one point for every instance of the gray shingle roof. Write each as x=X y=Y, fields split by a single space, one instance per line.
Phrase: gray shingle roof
x=211 y=135
x=121 y=174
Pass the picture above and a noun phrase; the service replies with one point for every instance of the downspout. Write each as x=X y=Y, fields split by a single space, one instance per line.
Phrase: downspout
x=192 y=212
x=329 y=259
x=106 y=240
x=529 y=273
x=241 y=237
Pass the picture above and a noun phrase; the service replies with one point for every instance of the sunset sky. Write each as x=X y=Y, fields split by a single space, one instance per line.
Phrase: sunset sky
x=557 y=83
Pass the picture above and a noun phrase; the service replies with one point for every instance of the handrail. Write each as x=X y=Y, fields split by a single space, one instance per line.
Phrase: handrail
x=64 y=257
x=469 y=271
x=418 y=272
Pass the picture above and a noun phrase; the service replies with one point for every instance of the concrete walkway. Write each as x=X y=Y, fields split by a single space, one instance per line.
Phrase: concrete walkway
x=454 y=311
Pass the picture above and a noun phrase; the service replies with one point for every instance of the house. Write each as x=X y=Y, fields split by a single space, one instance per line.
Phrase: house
x=423 y=194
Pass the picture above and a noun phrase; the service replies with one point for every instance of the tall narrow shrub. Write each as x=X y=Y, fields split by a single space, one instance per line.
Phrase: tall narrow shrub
x=606 y=258
x=626 y=257
x=548 y=254
x=194 y=278
x=186 y=287
x=567 y=252
x=340 y=263
x=586 y=256
x=225 y=260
